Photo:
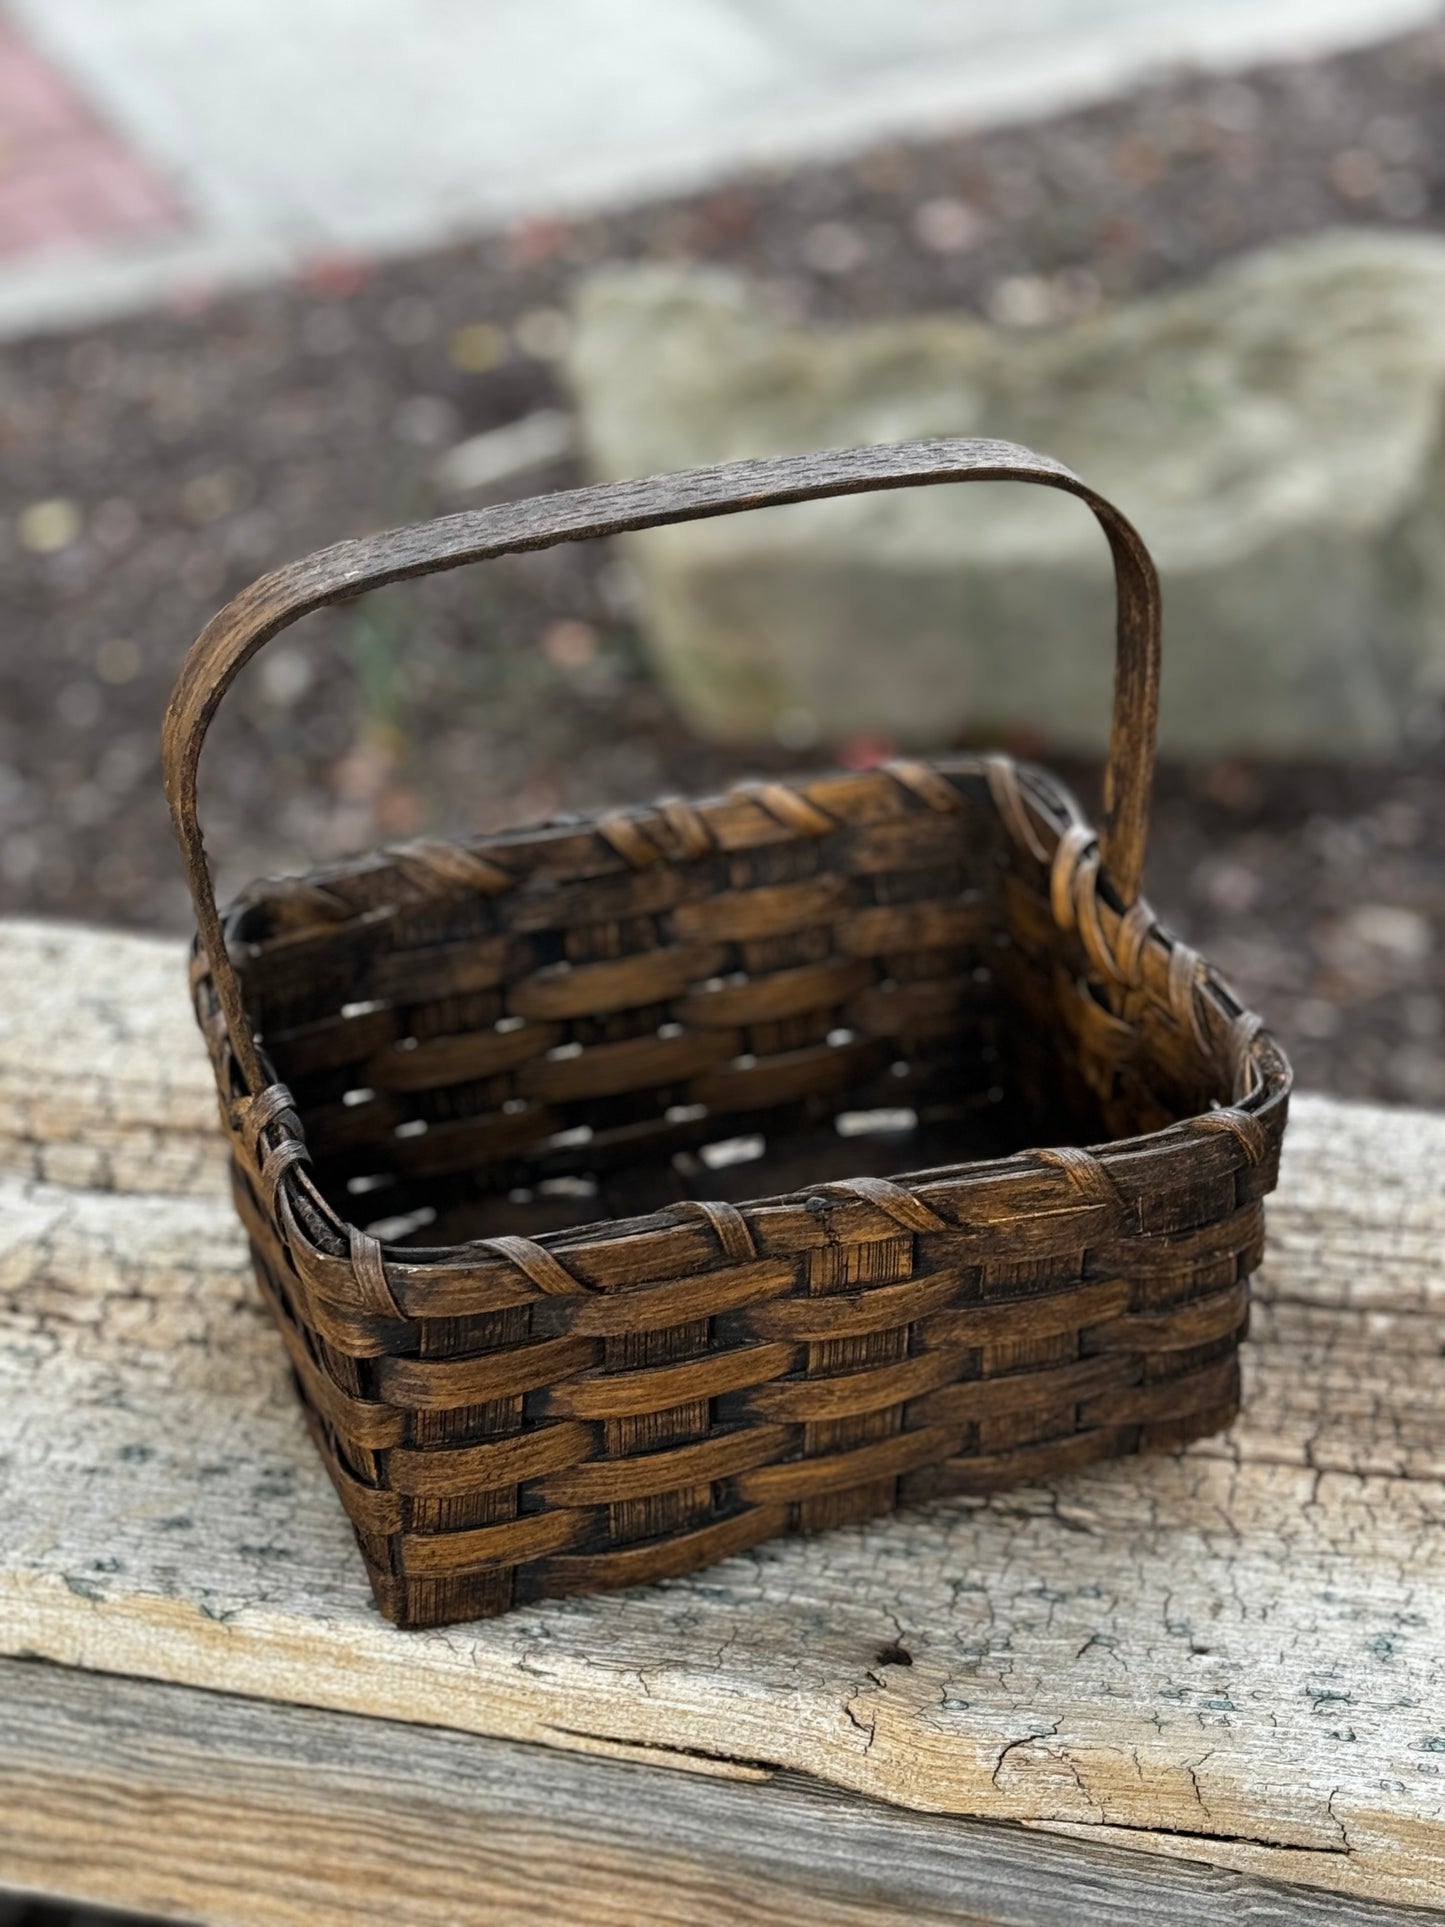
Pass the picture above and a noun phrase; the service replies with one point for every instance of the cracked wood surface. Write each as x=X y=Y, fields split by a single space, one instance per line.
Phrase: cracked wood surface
x=1233 y=1655
x=207 y=1806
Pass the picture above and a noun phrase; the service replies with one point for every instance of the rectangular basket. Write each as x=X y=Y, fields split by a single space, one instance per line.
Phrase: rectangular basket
x=498 y=1112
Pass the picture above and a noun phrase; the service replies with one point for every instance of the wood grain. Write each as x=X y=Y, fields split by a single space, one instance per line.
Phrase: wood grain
x=208 y=1807
x=1231 y=1655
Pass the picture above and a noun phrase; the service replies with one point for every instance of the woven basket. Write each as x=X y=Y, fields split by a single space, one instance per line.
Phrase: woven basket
x=492 y=1108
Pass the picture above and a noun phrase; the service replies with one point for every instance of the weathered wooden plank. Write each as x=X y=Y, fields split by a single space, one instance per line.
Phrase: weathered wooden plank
x=210 y=1807
x=102 y=1079
x=1236 y=1654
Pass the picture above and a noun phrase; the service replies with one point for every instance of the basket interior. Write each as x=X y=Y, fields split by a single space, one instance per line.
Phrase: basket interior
x=606 y=1036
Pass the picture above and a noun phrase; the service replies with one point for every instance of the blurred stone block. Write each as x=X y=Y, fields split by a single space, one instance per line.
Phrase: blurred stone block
x=1275 y=432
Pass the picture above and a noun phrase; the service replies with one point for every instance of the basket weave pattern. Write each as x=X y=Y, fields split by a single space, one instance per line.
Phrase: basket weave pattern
x=555 y=1354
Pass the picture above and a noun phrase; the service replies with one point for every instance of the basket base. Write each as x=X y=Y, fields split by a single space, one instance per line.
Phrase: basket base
x=415 y=1604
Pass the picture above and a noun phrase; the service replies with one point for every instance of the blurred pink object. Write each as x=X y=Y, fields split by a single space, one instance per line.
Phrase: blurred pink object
x=867 y=751
x=65 y=179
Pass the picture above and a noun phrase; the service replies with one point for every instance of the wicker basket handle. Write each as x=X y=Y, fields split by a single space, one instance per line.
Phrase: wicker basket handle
x=233 y=636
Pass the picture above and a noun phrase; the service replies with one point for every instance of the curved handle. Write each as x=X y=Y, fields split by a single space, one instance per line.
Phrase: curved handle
x=233 y=636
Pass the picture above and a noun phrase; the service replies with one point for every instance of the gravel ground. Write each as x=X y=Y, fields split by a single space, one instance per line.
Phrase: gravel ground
x=149 y=469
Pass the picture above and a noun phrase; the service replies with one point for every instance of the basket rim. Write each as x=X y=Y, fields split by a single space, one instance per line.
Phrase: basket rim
x=1042 y=816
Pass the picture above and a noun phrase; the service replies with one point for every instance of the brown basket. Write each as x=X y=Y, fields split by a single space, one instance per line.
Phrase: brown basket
x=554 y=1356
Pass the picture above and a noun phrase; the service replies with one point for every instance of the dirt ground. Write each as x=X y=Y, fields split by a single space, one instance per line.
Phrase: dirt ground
x=149 y=469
